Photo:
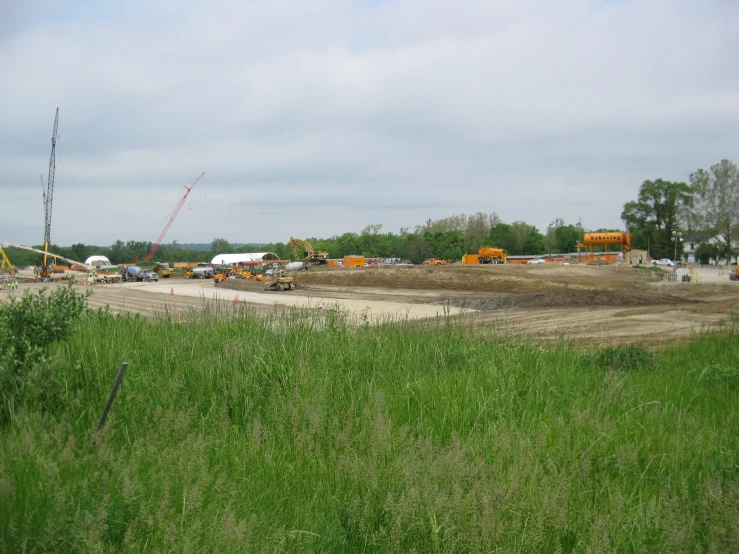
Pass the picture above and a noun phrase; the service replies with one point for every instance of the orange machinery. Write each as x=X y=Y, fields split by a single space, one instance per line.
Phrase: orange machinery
x=622 y=239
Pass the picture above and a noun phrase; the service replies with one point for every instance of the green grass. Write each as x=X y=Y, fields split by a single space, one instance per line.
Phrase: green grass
x=308 y=433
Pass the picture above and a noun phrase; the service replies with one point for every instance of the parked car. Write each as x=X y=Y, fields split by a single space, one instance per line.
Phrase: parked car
x=149 y=275
x=663 y=261
x=537 y=261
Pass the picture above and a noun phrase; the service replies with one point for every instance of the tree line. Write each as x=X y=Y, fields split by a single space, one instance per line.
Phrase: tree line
x=705 y=210
x=447 y=238
x=665 y=213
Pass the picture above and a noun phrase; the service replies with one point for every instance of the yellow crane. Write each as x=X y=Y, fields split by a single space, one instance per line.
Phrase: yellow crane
x=314 y=257
x=5 y=262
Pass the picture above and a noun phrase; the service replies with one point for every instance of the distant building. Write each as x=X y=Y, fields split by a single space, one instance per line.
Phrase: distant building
x=97 y=261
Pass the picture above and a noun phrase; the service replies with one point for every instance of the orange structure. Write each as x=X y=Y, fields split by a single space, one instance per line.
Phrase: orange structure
x=622 y=239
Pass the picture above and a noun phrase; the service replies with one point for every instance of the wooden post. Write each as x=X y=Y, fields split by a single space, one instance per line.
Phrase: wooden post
x=111 y=397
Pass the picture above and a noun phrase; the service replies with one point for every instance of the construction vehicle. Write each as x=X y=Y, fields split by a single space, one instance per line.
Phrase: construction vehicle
x=434 y=261
x=221 y=273
x=163 y=270
x=5 y=265
x=489 y=255
x=315 y=257
x=279 y=280
x=94 y=271
x=150 y=255
x=97 y=277
x=734 y=275
x=49 y=198
x=200 y=271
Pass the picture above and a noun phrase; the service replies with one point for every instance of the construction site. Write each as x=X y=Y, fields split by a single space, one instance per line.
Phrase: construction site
x=605 y=292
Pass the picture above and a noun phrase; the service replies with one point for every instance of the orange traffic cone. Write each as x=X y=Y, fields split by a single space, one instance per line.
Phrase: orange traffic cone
x=237 y=299
x=171 y=292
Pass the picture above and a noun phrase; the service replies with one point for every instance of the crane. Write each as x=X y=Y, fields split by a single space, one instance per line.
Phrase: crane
x=311 y=256
x=171 y=219
x=49 y=192
x=44 y=252
x=5 y=262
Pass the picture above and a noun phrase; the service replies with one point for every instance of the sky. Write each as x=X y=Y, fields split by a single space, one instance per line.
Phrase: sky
x=312 y=119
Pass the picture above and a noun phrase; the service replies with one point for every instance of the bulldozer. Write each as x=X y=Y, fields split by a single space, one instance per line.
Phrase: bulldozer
x=279 y=280
x=312 y=256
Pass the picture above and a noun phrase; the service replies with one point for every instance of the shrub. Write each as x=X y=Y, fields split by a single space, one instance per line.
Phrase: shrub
x=27 y=326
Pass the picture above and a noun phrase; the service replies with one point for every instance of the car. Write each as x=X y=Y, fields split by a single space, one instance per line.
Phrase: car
x=663 y=261
x=149 y=275
x=537 y=261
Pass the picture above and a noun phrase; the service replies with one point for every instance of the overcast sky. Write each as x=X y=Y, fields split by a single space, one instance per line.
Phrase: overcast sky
x=314 y=118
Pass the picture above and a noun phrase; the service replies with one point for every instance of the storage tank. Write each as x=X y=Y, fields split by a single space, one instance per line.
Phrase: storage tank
x=296 y=266
x=602 y=239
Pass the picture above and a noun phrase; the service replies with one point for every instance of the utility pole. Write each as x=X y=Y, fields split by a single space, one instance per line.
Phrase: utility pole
x=549 y=232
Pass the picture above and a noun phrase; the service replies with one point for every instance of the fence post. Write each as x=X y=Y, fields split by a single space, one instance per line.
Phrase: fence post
x=111 y=397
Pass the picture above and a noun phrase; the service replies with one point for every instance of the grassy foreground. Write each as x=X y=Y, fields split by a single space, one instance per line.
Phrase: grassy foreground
x=300 y=433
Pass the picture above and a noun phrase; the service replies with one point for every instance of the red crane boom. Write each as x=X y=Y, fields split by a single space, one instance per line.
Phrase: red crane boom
x=150 y=255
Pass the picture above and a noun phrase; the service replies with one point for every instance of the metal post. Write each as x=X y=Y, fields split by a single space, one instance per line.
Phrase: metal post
x=112 y=396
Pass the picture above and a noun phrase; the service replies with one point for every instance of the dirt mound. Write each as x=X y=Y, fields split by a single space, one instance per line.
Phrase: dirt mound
x=565 y=299
x=492 y=278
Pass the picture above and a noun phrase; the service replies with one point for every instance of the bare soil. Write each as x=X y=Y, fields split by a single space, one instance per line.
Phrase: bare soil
x=589 y=304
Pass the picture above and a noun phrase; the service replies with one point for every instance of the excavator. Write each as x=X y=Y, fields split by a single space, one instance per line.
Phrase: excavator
x=315 y=257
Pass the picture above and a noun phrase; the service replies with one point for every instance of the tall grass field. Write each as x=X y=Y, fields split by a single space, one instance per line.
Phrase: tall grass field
x=307 y=432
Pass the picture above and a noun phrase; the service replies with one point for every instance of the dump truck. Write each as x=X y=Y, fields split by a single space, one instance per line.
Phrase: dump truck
x=279 y=280
x=163 y=270
x=489 y=255
x=97 y=277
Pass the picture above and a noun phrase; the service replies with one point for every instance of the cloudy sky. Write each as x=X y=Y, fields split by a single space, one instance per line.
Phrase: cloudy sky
x=313 y=118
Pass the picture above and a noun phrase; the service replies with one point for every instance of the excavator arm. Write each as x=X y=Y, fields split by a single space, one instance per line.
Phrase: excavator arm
x=312 y=256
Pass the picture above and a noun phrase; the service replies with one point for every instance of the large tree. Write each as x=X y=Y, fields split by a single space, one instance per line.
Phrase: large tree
x=657 y=213
x=716 y=204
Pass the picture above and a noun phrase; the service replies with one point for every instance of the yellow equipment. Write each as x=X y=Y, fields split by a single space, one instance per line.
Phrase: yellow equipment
x=353 y=261
x=279 y=280
x=5 y=264
x=163 y=270
x=622 y=239
x=434 y=261
x=734 y=275
x=488 y=255
x=314 y=257
x=220 y=274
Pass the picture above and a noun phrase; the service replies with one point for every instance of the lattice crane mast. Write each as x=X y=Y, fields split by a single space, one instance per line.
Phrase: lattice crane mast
x=171 y=219
x=49 y=192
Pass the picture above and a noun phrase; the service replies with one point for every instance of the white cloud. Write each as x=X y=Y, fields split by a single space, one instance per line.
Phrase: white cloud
x=349 y=113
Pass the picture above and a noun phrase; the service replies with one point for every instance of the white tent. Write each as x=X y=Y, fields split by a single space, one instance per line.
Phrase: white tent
x=97 y=261
x=228 y=259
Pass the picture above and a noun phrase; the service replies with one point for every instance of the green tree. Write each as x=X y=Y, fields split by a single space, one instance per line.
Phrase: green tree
x=716 y=204
x=416 y=250
x=658 y=212
x=220 y=246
